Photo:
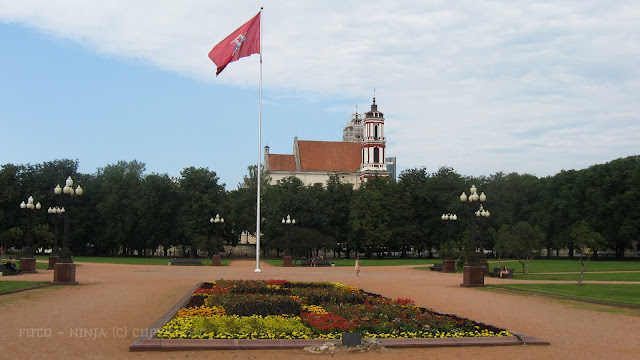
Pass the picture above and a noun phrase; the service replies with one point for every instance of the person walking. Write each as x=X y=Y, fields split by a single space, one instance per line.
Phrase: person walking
x=357 y=266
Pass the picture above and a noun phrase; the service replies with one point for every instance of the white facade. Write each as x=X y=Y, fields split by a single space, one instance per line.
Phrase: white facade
x=313 y=178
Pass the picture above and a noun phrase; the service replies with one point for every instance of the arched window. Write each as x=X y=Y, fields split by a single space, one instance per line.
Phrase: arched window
x=375 y=132
x=376 y=155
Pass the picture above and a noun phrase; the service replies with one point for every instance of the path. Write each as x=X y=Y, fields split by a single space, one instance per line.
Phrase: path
x=112 y=305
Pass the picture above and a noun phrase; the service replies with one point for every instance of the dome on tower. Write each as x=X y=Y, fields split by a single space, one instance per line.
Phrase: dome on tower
x=374 y=110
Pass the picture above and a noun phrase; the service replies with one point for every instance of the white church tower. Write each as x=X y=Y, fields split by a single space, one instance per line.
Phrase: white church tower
x=373 y=145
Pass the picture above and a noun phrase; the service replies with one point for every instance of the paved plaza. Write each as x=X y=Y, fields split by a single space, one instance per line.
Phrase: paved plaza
x=114 y=304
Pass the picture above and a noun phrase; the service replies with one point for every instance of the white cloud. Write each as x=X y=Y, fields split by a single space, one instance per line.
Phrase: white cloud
x=480 y=86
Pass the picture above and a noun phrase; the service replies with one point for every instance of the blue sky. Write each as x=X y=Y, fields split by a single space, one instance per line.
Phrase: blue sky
x=493 y=86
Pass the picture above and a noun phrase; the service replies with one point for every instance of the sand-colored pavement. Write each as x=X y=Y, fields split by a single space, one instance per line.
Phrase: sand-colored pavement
x=113 y=304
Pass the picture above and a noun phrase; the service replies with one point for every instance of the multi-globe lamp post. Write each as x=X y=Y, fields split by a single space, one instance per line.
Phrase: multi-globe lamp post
x=28 y=261
x=55 y=249
x=473 y=272
x=482 y=215
x=288 y=259
x=64 y=271
x=449 y=263
x=216 y=260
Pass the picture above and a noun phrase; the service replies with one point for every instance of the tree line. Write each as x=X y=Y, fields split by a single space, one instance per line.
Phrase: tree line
x=125 y=211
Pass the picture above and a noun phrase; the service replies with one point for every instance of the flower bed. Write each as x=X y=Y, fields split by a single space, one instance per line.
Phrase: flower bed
x=280 y=309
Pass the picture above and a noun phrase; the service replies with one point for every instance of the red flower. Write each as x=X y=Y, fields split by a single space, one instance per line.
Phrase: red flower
x=327 y=323
x=215 y=290
x=404 y=301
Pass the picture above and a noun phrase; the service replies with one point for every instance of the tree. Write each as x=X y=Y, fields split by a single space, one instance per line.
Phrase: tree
x=338 y=198
x=521 y=241
x=370 y=216
x=242 y=203
x=12 y=238
x=588 y=241
x=118 y=209
x=200 y=197
x=157 y=207
x=286 y=197
x=10 y=194
x=42 y=236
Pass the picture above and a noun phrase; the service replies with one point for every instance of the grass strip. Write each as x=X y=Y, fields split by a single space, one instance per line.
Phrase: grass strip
x=16 y=285
x=128 y=260
x=626 y=294
x=543 y=265
x=365 y=262
x=621 y=276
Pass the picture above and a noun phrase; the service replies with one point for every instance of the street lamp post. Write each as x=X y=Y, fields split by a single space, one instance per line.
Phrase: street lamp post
x=482 y=215
x=288 y=259
x=216 y=260
x=28 y=262
x=55 y=249
x=449 y=264
x=64 y=271
x=473 y=272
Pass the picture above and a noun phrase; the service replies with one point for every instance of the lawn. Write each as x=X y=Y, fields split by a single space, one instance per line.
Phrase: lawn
x=366 y=262
x=604 y=276
x=15 y=285
x=543 y=265
x=537 y=266
x=611 y=293
x=127 y=260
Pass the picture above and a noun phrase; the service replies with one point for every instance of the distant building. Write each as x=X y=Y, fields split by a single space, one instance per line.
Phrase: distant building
x=360 y=156
x=391 y=167
x=352 y=131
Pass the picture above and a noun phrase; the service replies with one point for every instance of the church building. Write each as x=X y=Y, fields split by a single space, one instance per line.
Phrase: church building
x=358 y=157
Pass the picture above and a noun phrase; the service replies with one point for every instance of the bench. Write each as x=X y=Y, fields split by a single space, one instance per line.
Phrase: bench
x=186 y=261
x=496 y=273
x=5 y=270
x=436 y=267
x=319 y=262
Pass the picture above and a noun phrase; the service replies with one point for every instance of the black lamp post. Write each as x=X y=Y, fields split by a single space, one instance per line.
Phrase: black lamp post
x=288 y=259
x=28 y=262
x=449 y=264
x=64 y=271
x=55 y=249
x=473 y=272
x=216 y=259
x=482 y=215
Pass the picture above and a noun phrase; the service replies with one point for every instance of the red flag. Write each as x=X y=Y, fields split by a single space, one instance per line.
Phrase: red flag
x=242 y=42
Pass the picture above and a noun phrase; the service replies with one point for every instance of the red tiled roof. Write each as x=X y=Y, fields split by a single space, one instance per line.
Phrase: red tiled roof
x=279 y=162
x=330 y=156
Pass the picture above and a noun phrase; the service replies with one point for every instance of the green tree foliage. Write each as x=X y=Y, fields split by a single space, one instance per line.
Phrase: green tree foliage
x=125 y=211
x=12 y=238
x=120 y=185
x=370 y=216
x=588 y=241
x=337 y=199
x=521 y=241
x=10 y=195
x=201 y=197
x=157 y=206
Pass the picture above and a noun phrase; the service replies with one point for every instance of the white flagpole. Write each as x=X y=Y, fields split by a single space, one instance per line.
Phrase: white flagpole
x=259 y=172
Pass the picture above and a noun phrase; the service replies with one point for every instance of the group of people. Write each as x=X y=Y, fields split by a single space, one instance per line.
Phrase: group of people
x=503 y=271
x=9 y=268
